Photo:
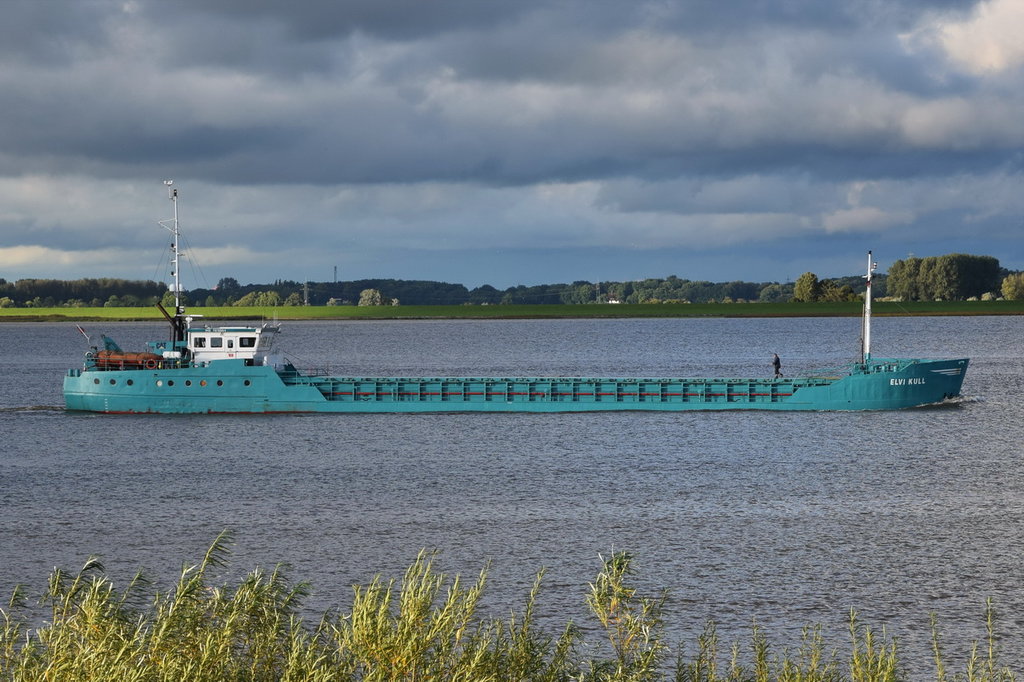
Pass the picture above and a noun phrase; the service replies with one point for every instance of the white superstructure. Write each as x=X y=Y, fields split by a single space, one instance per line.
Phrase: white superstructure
x=206 y=344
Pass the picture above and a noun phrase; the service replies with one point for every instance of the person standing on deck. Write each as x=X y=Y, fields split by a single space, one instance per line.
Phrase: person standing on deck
x=777 y=365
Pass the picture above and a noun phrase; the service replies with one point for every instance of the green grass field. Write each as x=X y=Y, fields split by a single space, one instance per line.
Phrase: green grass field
x=528 y=311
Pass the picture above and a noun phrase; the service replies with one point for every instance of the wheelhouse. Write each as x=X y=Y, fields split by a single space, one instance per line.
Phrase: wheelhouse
x=206 y=344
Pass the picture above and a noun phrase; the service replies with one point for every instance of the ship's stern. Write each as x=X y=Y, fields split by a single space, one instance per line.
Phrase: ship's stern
x=77 y=395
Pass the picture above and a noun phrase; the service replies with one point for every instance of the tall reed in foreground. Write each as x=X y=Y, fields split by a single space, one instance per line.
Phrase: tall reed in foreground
x=425 y=627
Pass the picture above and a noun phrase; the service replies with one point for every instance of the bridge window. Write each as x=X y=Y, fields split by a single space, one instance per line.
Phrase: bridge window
x=247 y=342
x=199 y=341
x=216 y=342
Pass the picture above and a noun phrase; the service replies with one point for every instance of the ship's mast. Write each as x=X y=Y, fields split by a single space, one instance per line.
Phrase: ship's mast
x=866 y=339
x=178 y=323
x=172 y=194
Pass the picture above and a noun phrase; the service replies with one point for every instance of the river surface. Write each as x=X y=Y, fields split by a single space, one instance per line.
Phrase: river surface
x=783 y=519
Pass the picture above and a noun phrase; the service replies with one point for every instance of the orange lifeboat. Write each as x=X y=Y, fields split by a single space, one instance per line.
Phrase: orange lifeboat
x=113 y=359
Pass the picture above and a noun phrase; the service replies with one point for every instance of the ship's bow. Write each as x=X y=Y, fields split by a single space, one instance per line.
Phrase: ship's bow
x=911 y=383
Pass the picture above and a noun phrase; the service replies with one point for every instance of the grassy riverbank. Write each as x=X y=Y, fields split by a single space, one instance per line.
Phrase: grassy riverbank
x=423 y=627
x=528 y=311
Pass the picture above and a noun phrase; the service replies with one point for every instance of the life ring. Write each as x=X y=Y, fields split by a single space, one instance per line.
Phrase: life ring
x=149 y=364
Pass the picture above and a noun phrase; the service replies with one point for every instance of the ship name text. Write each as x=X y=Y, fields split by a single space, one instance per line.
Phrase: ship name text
x=907 y=381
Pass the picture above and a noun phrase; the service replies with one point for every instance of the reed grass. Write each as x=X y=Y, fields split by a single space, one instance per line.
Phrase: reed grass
x=426 y=626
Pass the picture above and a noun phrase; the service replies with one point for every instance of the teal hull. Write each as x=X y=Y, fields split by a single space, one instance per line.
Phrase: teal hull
x=233 y=386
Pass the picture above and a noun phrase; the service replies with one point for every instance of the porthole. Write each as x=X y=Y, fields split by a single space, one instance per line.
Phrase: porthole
x=219 y=382
x=159 y=382
x=113 y=382
x=95 y=381
x=188 y=382
x=129 y=382
x=203 y=382
x=170 y=382
x=247 y=382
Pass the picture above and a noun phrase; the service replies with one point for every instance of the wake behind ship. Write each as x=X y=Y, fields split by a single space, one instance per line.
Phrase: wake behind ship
x=235 y=369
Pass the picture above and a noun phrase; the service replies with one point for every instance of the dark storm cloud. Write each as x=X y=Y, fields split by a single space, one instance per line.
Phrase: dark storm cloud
x=406 y=123
x=320 y=20
x=51 y=33
x=411 y=19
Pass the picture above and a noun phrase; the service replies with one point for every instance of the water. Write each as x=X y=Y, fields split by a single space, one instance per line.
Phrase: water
x=786 y=519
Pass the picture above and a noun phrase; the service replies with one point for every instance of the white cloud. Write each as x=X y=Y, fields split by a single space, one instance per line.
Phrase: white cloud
x=16 y=257
x=986 y=42
x=864 y=219
x=72 y=204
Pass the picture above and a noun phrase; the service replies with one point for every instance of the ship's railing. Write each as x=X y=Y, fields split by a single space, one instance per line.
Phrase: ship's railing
x=288 y=371
x=91 y=365
x=877 y=365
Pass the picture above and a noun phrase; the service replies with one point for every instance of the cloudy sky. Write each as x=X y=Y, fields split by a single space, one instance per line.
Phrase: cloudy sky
x=522 y=142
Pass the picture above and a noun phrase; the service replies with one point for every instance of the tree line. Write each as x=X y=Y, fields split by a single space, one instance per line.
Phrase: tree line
x=93 y=293
x=37 y=293
x=949 y=277
x=954 y=277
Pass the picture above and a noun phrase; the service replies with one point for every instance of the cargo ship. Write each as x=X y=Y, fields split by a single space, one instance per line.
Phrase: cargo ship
x=203 y=369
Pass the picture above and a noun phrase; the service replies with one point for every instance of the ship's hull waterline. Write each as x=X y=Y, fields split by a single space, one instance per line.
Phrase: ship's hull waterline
x=233 y=386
